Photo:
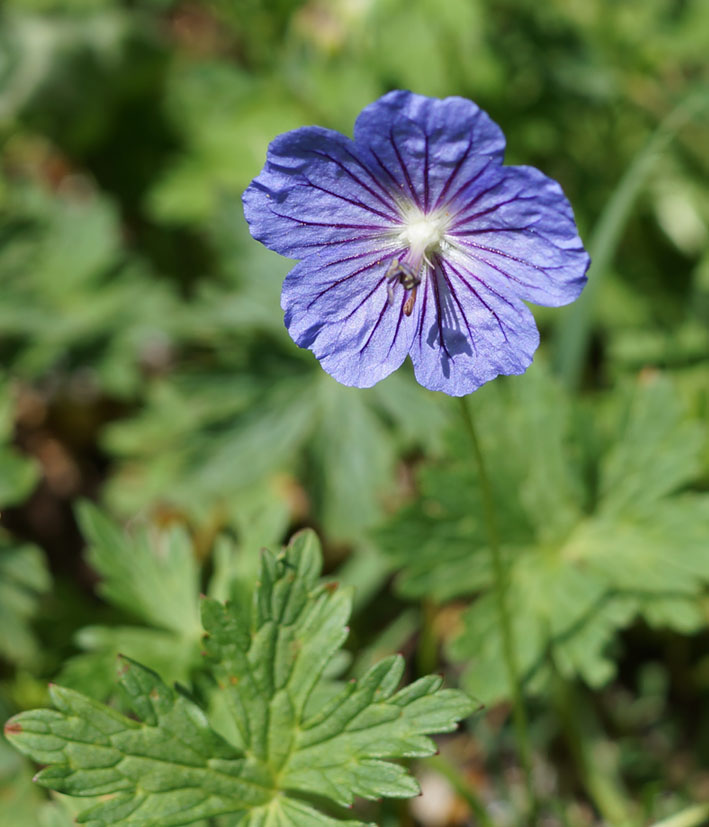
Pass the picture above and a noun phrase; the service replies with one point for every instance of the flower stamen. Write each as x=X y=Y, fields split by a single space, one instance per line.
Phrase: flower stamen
x=408 y=277
x=409 y=303
x=424 y=235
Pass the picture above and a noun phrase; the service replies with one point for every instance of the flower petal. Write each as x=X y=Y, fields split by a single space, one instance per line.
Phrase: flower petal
x=468 y=333
x=315 y=191
x=518 y=226
x=427 y=149
x=337 y=305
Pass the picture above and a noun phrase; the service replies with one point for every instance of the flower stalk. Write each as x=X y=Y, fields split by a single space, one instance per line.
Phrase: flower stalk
x=500 y=585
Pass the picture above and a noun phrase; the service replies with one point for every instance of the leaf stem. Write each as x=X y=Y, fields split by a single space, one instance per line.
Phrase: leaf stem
x=500 y=586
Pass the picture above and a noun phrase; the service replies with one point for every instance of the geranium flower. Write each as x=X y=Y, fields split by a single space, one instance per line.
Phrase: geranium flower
x=414 y=239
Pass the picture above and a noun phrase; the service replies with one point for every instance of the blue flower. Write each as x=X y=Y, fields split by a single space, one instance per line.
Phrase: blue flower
x=414 y=239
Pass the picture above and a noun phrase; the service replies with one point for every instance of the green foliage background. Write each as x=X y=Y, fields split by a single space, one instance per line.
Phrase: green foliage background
x=144 y=365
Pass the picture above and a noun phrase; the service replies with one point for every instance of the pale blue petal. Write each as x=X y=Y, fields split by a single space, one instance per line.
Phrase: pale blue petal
x=338 y=307
x=314 y=191
x=518 y=226
x=427 y=149
x=468 y=333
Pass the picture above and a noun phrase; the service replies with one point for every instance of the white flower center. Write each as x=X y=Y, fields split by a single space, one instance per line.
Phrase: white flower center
x=424 y=233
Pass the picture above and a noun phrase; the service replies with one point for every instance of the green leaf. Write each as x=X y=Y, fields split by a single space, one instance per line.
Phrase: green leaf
x=170 y=767
x=93 y=750
x=205 y=440
x=354 y=456
x=18 y=474
x=263 y=409
x=73 y=294
x=597 y=527
x=152 y=575
x=658 y=453
x=93 y=671
x=226 y=116
x=24 y=578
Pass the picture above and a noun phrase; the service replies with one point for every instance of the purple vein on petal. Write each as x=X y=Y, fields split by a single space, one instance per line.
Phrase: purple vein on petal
x=376 y=324
x=484 y=284
x=530 y=227
x=472 y=202
x=467 y=184
x=460 y=306
x=374 y=178
x=340 y=241
x=480 y=299
x=364 y=254
x=493 y=208
x=387 y=203
x=404 y=168
x=385 y=169
x=503 y=272
x=494 y=230
x=398 y=322
x=454 y=172
x=336 y=283
x=425 y=172
x=352 y=201
x=367 y=297
x=519 y=260
x=439 y=313
x=377 y=227
x=424 y=299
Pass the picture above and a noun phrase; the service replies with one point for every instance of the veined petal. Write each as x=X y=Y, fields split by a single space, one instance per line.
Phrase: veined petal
x=518 y=226
x=337 y=305
x=467 y=332
x=421 y=188
x=315 y=191
x=427 y=149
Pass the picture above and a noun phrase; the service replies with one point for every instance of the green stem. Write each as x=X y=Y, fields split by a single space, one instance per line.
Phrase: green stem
x=500 y=586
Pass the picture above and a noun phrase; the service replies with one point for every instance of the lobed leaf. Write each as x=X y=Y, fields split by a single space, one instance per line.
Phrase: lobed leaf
x=589 y=542
x=153 y=576
x=24 y=578
x=171 y=767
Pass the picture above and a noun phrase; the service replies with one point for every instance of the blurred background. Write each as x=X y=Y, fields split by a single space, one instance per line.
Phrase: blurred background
x=145 y=367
